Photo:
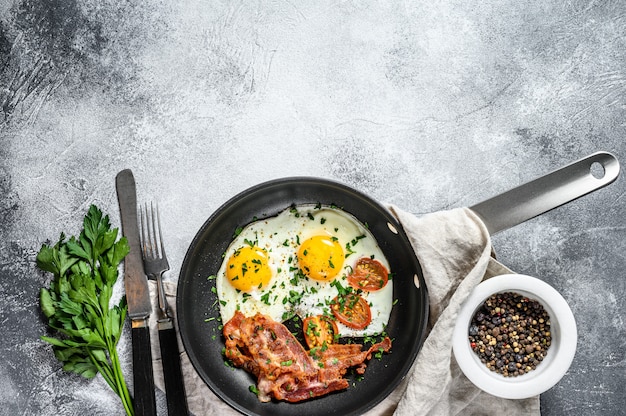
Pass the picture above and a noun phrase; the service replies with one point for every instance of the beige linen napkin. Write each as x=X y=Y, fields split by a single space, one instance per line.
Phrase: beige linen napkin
x=454 y=250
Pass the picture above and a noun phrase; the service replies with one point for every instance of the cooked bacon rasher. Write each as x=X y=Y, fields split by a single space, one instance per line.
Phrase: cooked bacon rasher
x=284 y=369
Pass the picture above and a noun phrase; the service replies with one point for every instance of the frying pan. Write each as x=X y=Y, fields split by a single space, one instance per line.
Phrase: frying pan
x=198 y=312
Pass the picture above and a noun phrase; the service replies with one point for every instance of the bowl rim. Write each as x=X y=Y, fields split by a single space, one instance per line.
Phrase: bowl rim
x=559 y=357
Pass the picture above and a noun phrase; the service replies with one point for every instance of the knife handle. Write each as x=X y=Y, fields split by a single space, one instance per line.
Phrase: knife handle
x=144 y=400
x=172 y=372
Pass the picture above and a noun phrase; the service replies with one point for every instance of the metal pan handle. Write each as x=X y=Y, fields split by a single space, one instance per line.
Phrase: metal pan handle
x=548 y=192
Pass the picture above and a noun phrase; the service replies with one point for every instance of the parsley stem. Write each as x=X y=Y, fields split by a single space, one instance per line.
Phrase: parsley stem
x=115 y=379
x=123 y=389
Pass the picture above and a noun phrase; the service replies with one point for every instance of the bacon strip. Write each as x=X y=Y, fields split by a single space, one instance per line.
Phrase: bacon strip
x=284 y=369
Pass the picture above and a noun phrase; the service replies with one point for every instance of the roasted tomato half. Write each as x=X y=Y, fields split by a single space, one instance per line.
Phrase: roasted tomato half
x=351 y=310
x=369 y=275
x=318 y=330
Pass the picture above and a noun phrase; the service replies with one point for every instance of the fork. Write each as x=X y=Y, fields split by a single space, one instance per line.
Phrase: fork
x=155 y=264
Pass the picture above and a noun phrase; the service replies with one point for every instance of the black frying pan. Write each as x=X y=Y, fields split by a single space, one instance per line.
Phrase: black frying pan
x=196 y=302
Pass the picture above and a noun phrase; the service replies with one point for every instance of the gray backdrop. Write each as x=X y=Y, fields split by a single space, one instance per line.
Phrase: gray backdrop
x=428 y=105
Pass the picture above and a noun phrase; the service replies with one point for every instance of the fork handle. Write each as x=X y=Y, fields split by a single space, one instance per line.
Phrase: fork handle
x=172 y=372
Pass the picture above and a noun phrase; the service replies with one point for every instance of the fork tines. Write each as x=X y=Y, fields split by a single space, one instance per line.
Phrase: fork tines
x=151 y=235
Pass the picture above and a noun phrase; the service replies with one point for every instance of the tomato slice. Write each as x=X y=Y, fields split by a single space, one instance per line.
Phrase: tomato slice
x=351 y=310
x=369 y=275
x=318 y=330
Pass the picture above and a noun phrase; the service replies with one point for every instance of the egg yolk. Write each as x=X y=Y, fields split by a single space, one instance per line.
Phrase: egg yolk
x=321 y=257
x=248 y=269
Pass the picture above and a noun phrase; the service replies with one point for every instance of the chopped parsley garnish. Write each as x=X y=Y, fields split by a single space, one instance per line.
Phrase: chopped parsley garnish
x=265 y=298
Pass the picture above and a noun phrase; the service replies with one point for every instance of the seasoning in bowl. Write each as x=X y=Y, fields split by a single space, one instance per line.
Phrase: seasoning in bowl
x=510 y=333
x=557 y=338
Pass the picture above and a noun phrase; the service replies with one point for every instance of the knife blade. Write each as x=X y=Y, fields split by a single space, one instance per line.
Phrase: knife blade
x=137 y=297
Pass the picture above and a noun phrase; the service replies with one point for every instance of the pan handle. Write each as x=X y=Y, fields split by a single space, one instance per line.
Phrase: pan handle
x=548 y=192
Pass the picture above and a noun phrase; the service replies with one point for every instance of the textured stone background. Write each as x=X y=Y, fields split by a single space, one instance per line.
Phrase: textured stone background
x=427 y=105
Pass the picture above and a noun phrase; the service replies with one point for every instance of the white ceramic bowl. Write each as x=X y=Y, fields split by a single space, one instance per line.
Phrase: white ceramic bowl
x=560 y=353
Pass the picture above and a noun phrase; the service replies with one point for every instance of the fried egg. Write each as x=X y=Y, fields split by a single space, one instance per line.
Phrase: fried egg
x=296 y=263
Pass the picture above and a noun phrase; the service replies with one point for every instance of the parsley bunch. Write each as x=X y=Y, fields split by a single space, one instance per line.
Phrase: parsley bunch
x=85 y=269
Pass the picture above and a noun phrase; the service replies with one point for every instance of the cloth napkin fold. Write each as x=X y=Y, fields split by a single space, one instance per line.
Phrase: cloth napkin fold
x=455 y=252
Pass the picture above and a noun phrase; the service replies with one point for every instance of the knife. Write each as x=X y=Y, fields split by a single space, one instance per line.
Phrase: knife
x=137 y=297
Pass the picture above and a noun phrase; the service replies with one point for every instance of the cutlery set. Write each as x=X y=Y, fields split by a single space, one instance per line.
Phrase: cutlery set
x=147 y=258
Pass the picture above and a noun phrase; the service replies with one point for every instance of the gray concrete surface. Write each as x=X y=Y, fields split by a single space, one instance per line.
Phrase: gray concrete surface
x=426 y=105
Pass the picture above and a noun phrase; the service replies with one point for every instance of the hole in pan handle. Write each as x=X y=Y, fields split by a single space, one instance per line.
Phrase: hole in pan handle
x=548 y=192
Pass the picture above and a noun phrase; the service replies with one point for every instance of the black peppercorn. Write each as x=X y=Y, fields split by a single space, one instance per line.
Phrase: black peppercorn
x=511 y=333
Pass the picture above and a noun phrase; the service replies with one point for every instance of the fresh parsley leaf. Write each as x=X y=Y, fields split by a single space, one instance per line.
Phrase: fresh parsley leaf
x=77 y=301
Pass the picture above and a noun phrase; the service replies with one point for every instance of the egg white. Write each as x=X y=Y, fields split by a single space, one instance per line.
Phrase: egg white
x=291 y=293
